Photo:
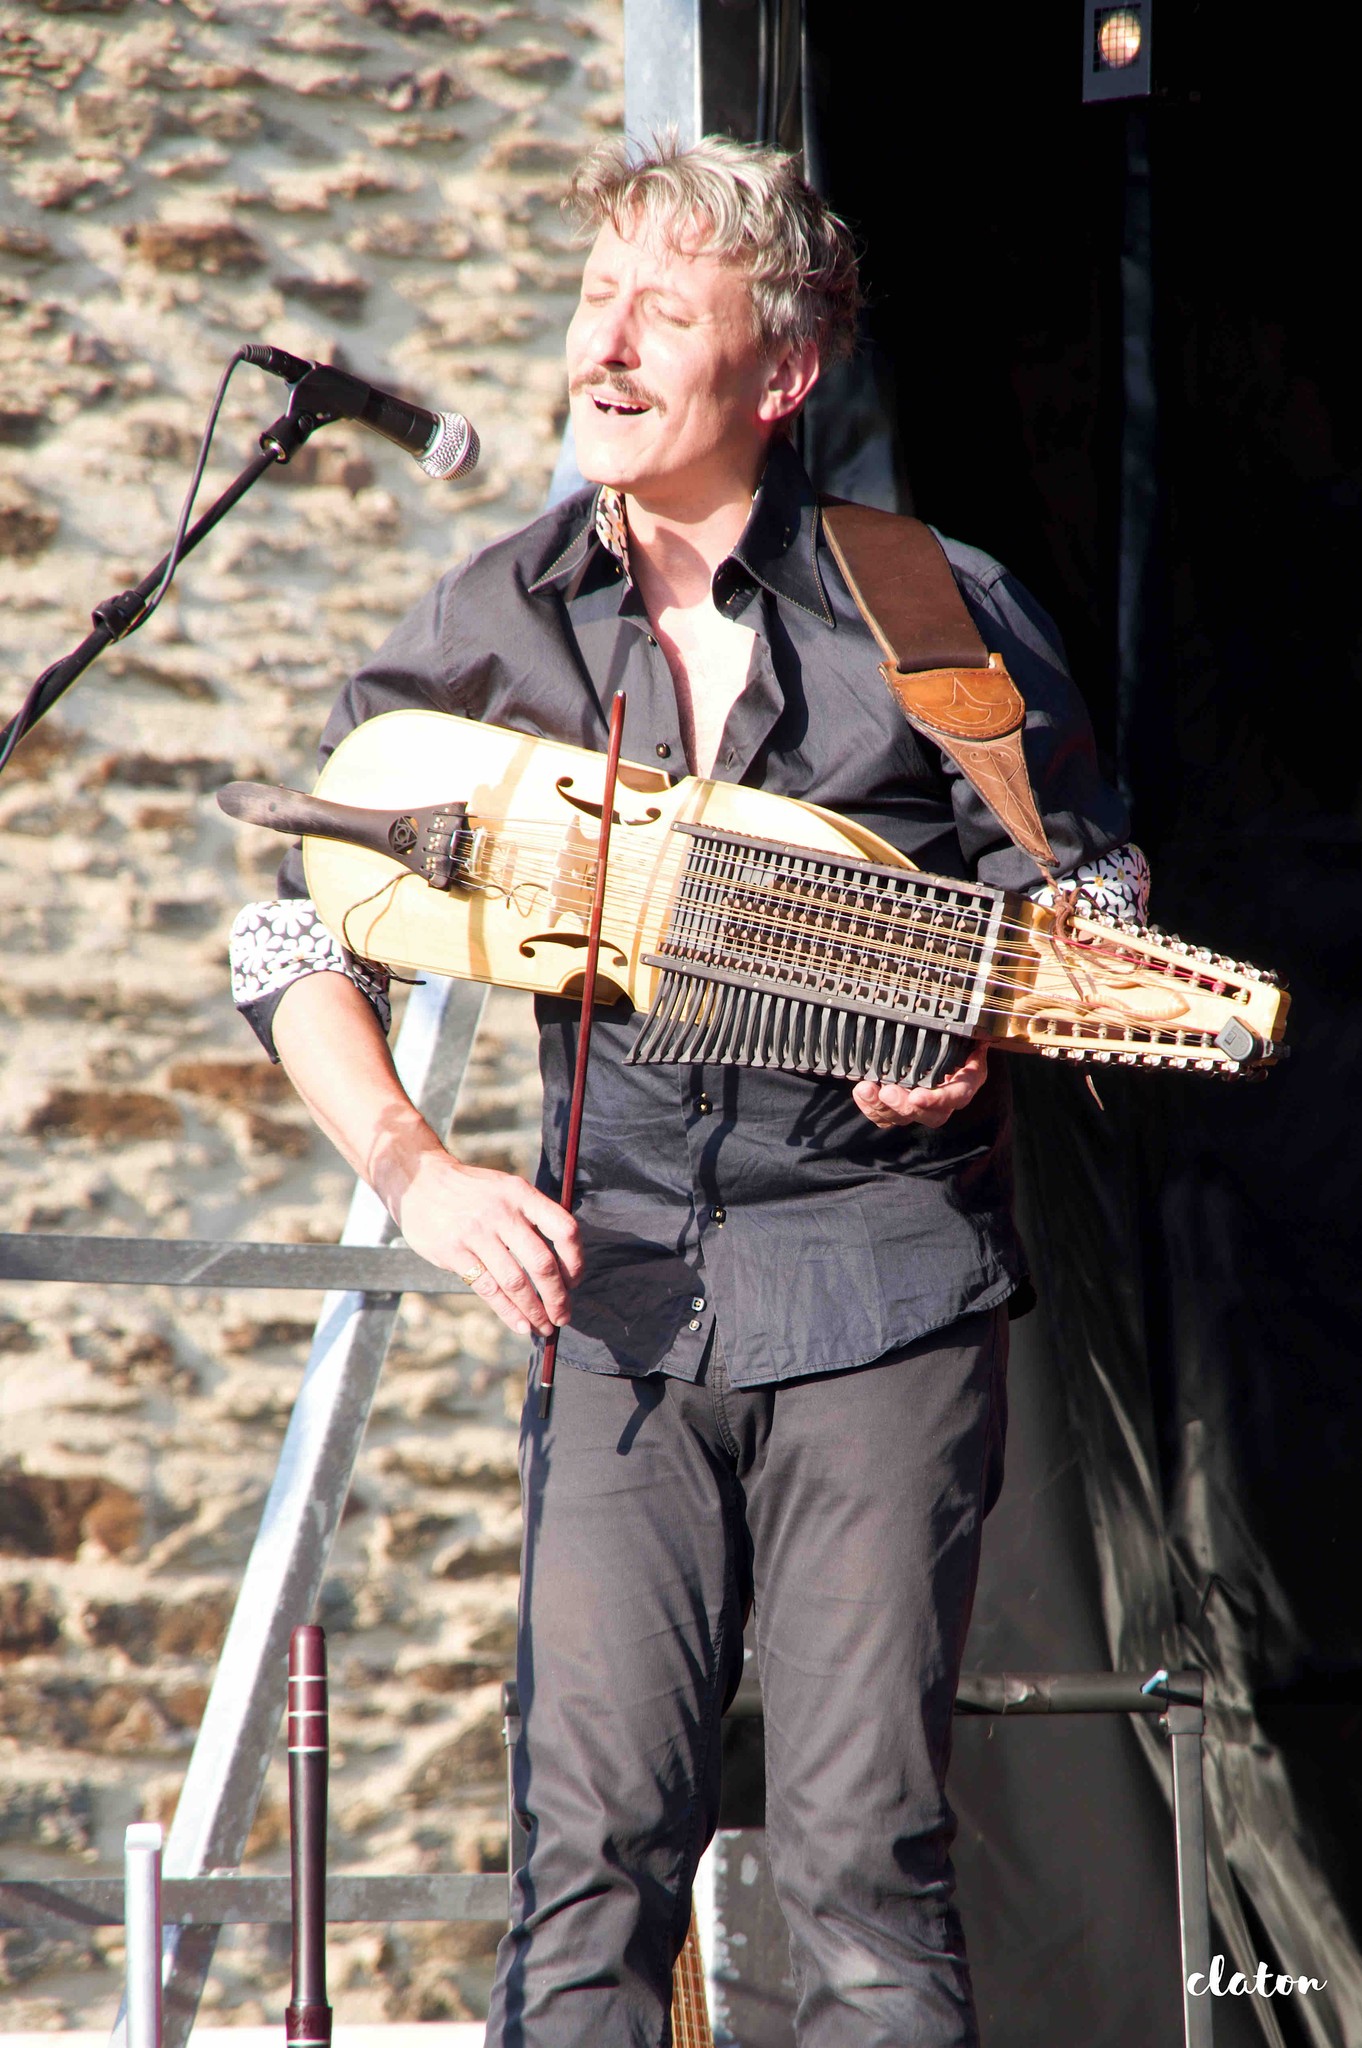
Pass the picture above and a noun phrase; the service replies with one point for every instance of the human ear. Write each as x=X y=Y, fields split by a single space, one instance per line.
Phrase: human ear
x=789 y=381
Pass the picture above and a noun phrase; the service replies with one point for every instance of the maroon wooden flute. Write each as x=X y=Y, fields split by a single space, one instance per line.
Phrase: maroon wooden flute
x=593 y=954
x=307 y=2020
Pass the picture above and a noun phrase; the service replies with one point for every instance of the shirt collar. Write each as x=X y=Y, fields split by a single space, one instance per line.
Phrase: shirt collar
x=778 y=547
x=779 y=544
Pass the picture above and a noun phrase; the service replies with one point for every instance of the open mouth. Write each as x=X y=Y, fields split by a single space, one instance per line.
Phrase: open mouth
x=619 y=407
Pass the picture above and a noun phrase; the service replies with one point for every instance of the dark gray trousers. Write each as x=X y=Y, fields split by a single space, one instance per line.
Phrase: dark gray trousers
x=846 y=1509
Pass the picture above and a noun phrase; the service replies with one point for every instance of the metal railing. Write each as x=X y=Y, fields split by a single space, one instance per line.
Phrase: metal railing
x=367 y=1275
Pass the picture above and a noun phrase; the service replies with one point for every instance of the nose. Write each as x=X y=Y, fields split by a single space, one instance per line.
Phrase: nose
x=609 y=340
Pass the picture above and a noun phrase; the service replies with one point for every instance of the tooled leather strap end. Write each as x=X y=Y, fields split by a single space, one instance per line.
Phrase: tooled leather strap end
x=959 y=703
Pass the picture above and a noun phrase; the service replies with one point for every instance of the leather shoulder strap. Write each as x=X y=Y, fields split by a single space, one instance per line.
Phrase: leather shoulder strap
x=945 y=682
x=903 y=587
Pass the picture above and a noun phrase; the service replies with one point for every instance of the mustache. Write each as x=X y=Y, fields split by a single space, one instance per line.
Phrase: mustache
x=627 y=390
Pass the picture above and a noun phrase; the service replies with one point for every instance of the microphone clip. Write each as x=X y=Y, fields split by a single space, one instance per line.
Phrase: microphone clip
x=320 y=397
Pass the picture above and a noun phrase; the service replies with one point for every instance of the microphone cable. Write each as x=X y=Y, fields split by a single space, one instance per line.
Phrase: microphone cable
x=24 y=719
x=186 y=510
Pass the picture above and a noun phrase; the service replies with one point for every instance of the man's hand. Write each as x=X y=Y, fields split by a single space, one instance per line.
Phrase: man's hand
x=521 y=1247
x=888 y=1106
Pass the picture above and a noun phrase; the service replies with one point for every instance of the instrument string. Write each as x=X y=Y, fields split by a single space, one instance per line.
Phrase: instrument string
x=1026 y=1000
x=859 y=955
x=643 y=877
x=877 y=948
x=690 y=2004
x=874 y=940
x=792 y=910
x=644 y=866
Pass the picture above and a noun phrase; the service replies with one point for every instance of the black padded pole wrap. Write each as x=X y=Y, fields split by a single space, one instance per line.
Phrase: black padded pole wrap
x=307 y=2021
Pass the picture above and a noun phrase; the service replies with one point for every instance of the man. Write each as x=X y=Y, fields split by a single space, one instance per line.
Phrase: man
x=787 y=1296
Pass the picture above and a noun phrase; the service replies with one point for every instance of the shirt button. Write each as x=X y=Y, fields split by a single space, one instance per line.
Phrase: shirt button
x=719 y=1216
x=652 y=639
x=730 y=757
x=692 y=1325
x=663 y=751
x=704 y=1105
x=697 y=1301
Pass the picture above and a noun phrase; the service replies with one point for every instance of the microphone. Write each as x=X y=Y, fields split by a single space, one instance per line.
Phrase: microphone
x=444 y=443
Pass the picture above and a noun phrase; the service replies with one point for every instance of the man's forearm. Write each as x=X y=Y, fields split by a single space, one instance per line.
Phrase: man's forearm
x=517 y=1248
x=333 y=1049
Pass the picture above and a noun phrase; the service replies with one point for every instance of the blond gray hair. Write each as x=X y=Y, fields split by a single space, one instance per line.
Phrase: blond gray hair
x=740 y=201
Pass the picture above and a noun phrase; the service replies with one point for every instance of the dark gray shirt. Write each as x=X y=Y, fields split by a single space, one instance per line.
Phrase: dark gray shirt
x=764 y=1200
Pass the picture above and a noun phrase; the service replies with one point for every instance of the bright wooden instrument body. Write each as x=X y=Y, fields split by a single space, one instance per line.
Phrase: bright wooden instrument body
x=540 y=803
x=1088 y=988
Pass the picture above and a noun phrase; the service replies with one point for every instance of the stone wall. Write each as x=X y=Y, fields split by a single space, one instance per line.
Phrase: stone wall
x=373 y=182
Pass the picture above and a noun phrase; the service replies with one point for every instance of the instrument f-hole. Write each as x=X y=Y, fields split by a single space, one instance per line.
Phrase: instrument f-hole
x=593 y=810
x=575 y=942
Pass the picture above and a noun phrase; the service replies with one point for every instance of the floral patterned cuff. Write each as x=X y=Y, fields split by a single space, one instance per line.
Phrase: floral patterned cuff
x=1118 y=884
x=274 y=944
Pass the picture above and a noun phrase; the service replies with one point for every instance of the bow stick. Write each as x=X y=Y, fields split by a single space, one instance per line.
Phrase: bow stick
x=593 y=951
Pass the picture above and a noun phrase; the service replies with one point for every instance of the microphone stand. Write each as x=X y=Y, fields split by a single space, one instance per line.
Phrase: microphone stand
x=119 y=616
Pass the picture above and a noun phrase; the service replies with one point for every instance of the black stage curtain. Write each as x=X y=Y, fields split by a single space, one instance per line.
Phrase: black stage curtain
x=1187 y=1405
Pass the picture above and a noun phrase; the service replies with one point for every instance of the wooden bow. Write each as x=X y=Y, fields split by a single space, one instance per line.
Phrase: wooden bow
x=593 y=950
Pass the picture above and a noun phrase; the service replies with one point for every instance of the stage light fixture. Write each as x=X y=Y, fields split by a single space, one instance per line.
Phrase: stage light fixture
x=1116 y=49
x=1119 y=36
